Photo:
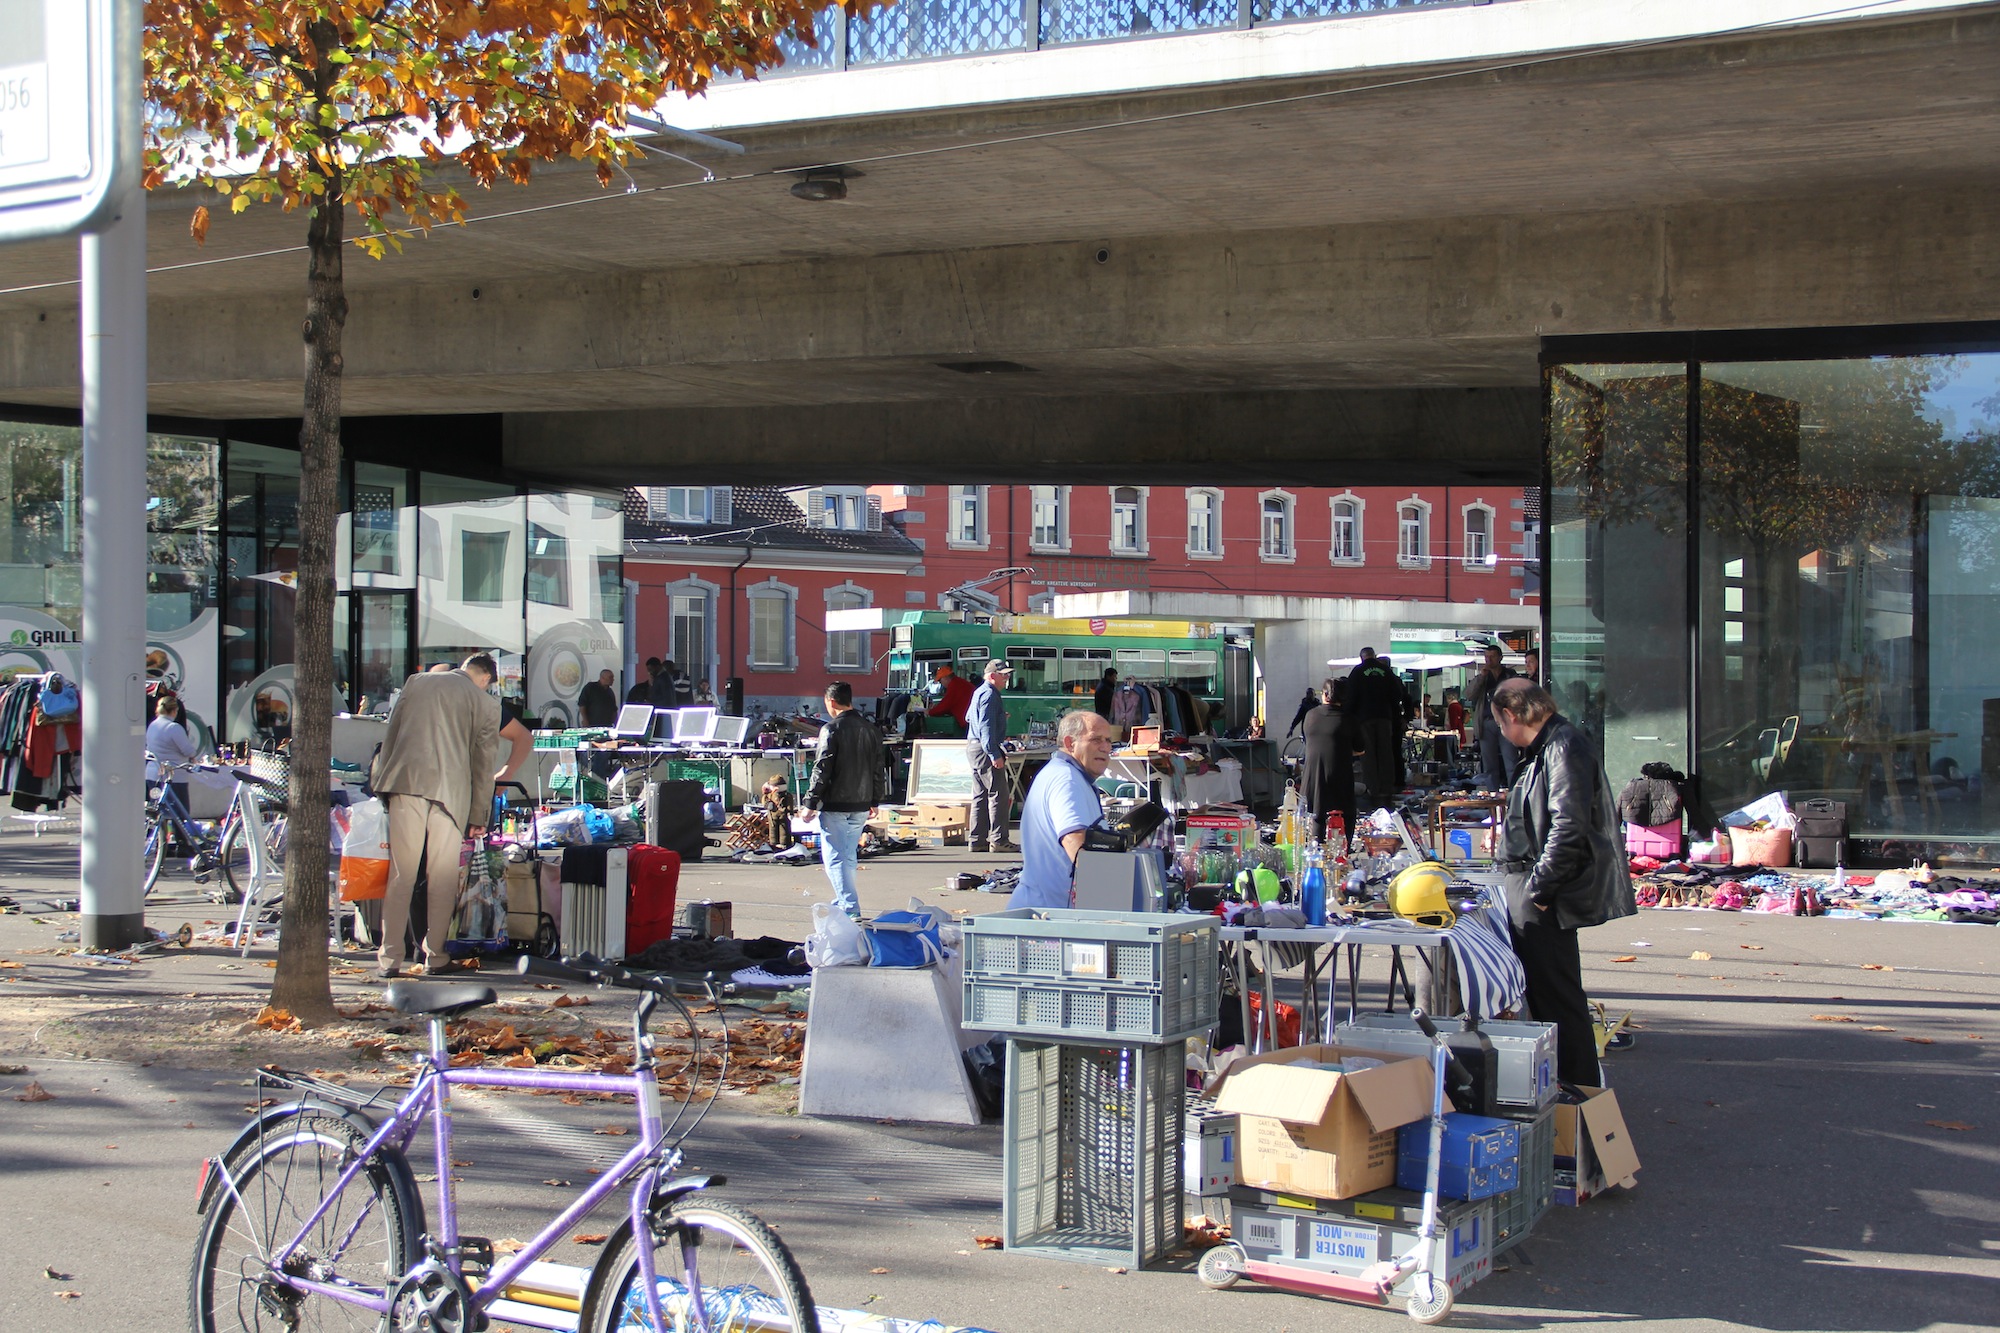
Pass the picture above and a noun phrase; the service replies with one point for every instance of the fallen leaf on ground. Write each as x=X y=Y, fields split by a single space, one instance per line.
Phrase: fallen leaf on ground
x=34 y=1092
x=1626 y=958
x=1701 y=955
x=1876 y=967
x=613 y=1130
x=557 y=1183
x=1758 y=947
x=1834 y=1018
x=1920 y=1041
x=569 y=1001
x=989 y=1242
x=277 y=1020
x=69 y=1295
x=1974 y=1036
x=1877 y=1027
x=13 y=1069
x=1950 y=1124
x=878 y=1272
x=509 y=1246
x=589 y=1237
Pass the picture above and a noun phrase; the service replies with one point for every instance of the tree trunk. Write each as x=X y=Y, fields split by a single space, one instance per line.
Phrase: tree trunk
x=302 y=984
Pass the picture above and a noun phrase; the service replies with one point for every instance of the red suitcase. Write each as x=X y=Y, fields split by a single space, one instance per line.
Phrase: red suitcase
x=652 y=881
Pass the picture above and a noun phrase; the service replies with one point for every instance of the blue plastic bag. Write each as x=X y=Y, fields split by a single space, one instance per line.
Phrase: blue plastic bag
x=904 y=939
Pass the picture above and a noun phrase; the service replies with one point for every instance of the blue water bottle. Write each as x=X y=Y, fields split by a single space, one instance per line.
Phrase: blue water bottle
x=1312 y=893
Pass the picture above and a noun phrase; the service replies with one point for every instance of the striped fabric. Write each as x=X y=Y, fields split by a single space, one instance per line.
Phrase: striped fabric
x=1490 y=978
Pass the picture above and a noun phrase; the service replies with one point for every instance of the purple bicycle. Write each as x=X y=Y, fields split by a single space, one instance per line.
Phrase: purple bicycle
x=312 y=1218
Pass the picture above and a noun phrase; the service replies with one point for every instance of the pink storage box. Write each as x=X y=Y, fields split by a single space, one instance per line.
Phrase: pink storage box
x=1660 y=840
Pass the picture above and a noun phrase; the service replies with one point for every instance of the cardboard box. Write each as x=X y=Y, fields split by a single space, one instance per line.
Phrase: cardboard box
x=1320 y=1133
x=1593 y=1148
x=933 y=815
x=940 y=835
x=1227 y=832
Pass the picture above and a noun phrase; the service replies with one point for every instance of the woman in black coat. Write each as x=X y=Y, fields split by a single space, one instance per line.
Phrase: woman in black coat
x=1326 y=779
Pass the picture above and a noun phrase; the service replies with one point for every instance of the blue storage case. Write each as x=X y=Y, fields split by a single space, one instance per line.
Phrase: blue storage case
x=1481 y=1157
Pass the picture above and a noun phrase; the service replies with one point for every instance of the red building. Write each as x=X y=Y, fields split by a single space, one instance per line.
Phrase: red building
x=736 y=582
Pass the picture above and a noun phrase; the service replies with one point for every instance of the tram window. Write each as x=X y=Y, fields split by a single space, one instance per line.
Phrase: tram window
x=1142 y=664
x=972 y=661
x=1034 y=669
x=1082 y=668
x=1193 y=670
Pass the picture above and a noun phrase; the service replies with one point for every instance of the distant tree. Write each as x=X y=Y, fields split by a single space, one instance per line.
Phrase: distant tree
x=330 y=105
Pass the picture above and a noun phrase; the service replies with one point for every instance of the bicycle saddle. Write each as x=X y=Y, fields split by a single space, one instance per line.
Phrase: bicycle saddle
x=413 y=997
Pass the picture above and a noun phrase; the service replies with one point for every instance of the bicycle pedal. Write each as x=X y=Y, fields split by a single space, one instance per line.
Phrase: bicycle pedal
x=475 y=1256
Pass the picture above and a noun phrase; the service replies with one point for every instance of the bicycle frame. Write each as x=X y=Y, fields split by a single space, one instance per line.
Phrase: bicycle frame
x=172 y=810
x=430 y=1098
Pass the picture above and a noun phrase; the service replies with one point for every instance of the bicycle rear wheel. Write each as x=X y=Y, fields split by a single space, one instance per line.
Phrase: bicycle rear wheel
x=235 y=856
x=707 y=1251
x=366 y=1239
x=157 y=838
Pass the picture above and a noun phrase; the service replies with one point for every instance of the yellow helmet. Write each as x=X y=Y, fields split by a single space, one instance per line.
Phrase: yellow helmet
x=1422 y=893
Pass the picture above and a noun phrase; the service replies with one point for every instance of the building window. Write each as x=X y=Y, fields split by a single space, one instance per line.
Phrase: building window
x=1347 y=548
x=689 y=504
x=965 y=523
x=482 y=569
x=691 y=627
x=772 y=643
x=844 y=509
x=849 y=650
x=1531 y=545
x=1479 y=536
x=548 y=566
x=1128 y=520
x=1413 y=536
x=1275 y=509
x=1204 y=509
x=1049 y=514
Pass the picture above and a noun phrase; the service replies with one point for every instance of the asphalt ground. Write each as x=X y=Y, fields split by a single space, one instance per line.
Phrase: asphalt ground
x=1800 y=1173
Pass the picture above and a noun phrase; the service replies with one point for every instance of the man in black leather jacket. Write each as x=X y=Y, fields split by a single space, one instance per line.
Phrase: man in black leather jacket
x=850 y=778
x=1562 y=853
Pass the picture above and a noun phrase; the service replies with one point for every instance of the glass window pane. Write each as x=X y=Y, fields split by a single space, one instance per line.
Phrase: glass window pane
x=1618 y=586
x=471 y=567
x=1849 y=561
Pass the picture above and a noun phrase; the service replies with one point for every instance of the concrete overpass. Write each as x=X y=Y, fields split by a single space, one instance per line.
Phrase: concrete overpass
x=1312 y=252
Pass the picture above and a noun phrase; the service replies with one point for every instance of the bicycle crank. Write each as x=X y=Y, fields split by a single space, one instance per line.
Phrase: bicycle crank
x=433 y=1299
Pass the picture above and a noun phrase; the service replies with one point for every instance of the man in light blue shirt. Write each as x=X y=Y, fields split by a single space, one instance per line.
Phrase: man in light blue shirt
x=1062 y=802
x=986 y=752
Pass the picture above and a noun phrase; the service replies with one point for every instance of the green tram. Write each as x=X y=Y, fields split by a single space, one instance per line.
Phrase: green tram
x=1058 y=663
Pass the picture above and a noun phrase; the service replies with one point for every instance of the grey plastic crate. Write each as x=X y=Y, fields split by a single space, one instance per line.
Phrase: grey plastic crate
x=1527 y=1052
x=1092 y=976
x=1516 y=1212
x=1092 y=1158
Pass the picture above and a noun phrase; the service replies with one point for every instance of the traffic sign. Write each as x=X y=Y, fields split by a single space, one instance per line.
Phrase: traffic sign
x=69 y=113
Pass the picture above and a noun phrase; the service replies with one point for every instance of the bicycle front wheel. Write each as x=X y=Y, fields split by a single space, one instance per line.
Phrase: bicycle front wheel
x=365 y=1240
x=157 y=838
x=719 y=1267
x=235 y=857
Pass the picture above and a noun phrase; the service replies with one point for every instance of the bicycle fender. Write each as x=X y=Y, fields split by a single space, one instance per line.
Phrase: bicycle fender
x=401 y=1178
x=664 y=1196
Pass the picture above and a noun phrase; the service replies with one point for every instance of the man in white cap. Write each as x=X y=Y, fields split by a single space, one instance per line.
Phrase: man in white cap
x=985 y=751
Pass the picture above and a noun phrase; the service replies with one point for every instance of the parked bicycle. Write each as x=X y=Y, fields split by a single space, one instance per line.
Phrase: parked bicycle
x=212 y=846
x=313 y=1218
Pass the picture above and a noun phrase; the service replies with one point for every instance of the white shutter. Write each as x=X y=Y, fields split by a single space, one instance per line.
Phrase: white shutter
x=656 y=503
x=815 y=508
x=722 y=504
x=874 y=514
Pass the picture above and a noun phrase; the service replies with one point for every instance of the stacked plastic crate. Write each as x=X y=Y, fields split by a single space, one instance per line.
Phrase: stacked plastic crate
x=1098 y=1008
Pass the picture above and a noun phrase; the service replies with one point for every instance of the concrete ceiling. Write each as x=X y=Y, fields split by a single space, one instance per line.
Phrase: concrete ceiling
x=735 y=296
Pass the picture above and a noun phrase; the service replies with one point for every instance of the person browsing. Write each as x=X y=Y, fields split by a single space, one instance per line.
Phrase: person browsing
x=168 y=742
x=850 y=778
x=986 y=754
x=1062 y=802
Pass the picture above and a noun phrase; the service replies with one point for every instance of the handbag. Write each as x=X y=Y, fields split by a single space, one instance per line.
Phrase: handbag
x=904 y=939
x=58 y=699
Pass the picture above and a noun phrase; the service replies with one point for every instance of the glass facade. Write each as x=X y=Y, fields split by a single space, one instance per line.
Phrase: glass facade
x=429 y=567
x=1784 y=575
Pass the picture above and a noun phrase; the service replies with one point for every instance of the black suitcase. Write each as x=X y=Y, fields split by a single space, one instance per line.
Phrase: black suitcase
x=674 y=818
x=1820 y=840
x=1479 y=1094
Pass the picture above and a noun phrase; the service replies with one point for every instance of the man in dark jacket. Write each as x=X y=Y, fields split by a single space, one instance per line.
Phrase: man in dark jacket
x=598 y=703
x=850 y=778
x=1376 y=704
x=1497 y=758
x=1563 y=857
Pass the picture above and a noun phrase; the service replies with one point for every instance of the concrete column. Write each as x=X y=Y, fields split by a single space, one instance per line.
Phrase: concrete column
x=114 y=578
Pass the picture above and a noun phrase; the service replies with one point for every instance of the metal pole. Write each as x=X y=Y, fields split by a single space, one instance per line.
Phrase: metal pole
x=114 y=577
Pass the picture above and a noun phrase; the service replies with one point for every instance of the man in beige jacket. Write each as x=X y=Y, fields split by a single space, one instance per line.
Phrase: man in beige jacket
x=435 y=775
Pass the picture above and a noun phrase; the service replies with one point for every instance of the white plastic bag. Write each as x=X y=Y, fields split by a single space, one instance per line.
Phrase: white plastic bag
x=837 y=939
x=364 y=852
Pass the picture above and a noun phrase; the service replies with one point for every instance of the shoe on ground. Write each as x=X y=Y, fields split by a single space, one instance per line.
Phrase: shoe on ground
x=980 y=847
x=388 y=970
x=1007 y=848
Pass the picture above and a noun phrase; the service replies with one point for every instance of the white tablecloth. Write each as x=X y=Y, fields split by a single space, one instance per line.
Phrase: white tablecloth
x=1183 y=790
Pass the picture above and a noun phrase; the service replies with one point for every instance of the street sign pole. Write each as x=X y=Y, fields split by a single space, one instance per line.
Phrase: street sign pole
x=114 y=579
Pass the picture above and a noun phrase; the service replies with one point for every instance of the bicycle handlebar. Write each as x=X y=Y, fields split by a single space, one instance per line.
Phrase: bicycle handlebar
x=591 y=971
